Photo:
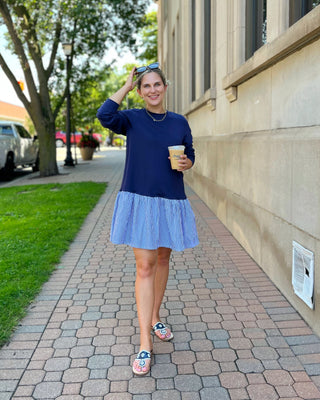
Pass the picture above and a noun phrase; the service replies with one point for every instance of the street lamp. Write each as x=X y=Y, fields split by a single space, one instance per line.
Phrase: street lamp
x=67 y=49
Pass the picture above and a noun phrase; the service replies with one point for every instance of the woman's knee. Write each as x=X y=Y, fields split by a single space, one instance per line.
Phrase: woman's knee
x=146 y=261
x=163 y=257
x=145 y=269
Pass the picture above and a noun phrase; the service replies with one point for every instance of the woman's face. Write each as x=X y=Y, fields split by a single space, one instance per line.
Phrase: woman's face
x=152 y=90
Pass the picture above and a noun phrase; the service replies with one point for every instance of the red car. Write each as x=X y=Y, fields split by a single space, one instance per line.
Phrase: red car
x=61 y=139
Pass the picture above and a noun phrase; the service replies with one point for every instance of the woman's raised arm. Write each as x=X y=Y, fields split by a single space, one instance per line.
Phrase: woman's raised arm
x=126 y=88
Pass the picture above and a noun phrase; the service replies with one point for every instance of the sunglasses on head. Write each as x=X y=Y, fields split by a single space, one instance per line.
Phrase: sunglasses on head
x=150 y=67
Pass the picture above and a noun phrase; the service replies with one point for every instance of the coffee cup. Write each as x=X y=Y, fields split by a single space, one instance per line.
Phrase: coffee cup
x=175 y=153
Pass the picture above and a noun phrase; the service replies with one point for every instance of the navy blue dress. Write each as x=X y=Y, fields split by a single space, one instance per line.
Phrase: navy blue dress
x=151 y=209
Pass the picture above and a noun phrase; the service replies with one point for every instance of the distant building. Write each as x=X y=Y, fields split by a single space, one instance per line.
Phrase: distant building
x=246 y=75
x=13 y=113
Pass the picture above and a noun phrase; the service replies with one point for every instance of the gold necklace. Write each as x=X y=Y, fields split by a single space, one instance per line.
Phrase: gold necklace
x=156 y=120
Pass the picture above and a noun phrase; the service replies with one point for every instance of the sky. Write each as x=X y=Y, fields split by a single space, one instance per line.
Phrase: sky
x=7 y=93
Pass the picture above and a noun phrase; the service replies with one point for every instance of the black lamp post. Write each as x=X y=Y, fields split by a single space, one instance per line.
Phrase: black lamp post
x=67 y=48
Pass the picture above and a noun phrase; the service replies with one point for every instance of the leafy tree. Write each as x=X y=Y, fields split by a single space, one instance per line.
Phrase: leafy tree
x=148 y=39
x=87 y=95
x=35 y=28
x=93 y=90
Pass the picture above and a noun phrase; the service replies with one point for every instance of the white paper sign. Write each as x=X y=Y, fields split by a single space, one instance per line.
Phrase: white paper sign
x=303 y=273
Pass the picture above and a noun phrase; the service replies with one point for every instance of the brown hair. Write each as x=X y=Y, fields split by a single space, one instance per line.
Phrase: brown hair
x=157 y=71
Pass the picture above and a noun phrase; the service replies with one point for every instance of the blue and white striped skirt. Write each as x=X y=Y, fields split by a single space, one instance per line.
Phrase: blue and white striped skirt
x=151 y=222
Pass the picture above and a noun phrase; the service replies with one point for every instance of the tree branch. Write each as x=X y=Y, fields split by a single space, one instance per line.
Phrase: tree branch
x=54 y=47
x=31 y=39
x=59 y=104
x=18 y=46
x=14 y=83
x=62 y=98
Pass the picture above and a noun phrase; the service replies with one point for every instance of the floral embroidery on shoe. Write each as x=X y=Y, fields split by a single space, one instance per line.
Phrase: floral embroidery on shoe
x=162 y=331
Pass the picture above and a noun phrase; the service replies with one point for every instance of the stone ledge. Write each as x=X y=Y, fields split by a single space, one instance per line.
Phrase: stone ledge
x=301 y=34
x=208 y=98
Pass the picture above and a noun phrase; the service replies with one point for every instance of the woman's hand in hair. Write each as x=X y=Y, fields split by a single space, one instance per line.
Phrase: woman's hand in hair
x=131 y=83
x=126 y=88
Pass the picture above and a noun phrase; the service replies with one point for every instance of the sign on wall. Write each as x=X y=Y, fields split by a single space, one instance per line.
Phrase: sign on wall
x=303 y=273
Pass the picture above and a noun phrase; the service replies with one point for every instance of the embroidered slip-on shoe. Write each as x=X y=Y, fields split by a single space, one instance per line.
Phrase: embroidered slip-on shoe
x=142 y=363
x=162 y=331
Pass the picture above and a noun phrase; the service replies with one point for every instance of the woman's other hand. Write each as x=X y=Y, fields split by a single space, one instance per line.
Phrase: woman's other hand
x=184 y=163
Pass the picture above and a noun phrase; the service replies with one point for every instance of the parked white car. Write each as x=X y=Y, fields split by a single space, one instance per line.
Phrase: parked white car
x=17 y=148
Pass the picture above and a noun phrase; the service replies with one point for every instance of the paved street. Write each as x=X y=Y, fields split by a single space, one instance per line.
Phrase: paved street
x=236 y=336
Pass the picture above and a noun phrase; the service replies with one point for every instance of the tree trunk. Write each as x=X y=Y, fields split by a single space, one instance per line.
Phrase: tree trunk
x=47 y=143
x=111 y=136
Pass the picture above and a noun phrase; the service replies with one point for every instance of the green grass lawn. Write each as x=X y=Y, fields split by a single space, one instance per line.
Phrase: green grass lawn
x=37 y=224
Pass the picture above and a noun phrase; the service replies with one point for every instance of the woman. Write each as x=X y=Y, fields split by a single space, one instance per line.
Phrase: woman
x=151 y=213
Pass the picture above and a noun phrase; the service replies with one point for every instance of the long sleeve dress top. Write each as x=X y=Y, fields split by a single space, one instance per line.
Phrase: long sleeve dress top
x=151 y=209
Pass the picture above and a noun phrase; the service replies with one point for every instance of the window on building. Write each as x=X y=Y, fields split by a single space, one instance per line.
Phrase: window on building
x=177 y=71
x=299 y=8
x=256 y=25
x=193 y=50
x=173 y=103
x=207 y=44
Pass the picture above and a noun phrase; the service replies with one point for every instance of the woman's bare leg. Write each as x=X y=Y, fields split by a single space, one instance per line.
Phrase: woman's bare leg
x=160 y=283
x=146 y=262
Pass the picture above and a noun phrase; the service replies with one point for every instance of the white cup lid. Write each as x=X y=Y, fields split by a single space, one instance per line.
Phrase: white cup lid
x=178 y=147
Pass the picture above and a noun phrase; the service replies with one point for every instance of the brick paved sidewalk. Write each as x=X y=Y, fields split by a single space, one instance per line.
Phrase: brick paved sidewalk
x=236 y=336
